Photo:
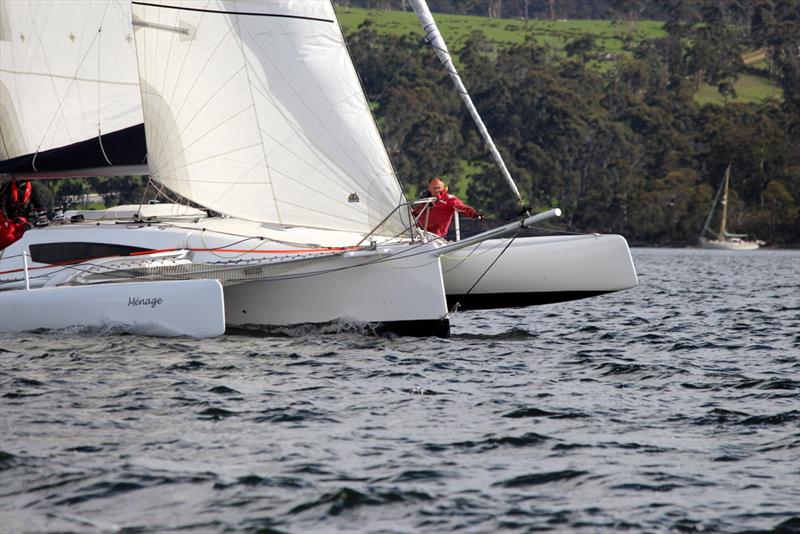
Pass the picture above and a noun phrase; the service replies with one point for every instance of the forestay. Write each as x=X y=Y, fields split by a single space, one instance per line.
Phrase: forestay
x=254 y=109
x=67 y=76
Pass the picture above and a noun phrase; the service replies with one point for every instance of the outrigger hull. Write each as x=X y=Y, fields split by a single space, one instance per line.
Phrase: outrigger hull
x=150 y=308
x=537 y=270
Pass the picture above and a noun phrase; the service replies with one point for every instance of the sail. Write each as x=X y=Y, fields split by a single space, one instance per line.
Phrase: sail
x=69 y=89
x=434 y=37
x=254 y=109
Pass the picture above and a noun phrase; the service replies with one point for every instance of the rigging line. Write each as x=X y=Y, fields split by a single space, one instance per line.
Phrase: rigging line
x=457 y=305
x=100 y=141
x=472 y=251
x=73 y=78
x=144 y=193
x=241 y=13
x=163 y=192
x=100 y=92
x=390 y=83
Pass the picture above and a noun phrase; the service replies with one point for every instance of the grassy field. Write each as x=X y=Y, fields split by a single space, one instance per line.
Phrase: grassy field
x=610 y=39
x=748 y=88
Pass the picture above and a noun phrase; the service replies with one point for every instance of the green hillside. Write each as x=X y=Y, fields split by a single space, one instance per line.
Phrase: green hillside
x=609 y=40
x=456 y=28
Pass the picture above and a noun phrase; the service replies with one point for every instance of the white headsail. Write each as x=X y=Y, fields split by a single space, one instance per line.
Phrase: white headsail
x=434 y=37
x=253 y=108
x=67 y=75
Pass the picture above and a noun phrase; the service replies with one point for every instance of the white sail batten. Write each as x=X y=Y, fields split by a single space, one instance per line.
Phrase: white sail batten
x=67 y=73
x=254 y=109
x=434 y=37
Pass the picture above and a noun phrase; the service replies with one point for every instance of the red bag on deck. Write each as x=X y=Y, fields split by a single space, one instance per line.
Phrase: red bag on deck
x=11 y=229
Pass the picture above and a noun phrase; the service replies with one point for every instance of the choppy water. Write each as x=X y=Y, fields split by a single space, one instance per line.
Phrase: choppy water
x=671 y=407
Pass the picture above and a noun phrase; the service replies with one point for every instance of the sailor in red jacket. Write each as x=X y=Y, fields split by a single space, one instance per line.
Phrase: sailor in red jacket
x=438 y=214
x=16 y=200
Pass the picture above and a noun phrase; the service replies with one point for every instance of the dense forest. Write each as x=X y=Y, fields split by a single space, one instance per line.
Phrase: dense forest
x=624 y=149
x=620 y=146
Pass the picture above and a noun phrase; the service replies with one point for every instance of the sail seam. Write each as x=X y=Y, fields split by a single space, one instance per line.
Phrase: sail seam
x=240 y=13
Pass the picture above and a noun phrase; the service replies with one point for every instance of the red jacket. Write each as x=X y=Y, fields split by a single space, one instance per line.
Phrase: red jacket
x=440 y=213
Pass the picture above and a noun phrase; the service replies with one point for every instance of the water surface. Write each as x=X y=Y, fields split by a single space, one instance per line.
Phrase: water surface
x=674 y=406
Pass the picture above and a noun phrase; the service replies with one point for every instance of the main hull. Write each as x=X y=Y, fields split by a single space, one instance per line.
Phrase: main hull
x=269 y=280
x=396 y=289
x=537 y=270
x=731 y=244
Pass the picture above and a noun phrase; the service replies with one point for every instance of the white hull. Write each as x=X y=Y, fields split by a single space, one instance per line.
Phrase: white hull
x=538 y=270
x=385 y=286
x=150 y=308
x=731 y=244
x=274 y=280
x=278 y=281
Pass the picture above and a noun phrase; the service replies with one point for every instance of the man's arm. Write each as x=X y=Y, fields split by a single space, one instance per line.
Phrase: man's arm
x=463 y=208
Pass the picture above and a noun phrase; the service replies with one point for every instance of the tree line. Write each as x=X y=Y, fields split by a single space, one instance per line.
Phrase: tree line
x=627 y=150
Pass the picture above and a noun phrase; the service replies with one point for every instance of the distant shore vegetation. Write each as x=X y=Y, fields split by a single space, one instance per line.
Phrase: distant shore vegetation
x=623 y=113
x=624 y=122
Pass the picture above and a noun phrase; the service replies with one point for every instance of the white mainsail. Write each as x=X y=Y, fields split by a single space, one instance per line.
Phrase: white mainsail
x=254 y=109
x=67 y=74
x=434 y=37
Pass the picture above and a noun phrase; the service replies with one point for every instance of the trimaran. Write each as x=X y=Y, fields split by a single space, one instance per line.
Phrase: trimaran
x=254 y=111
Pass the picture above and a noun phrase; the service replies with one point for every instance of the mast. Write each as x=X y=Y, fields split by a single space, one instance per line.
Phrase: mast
x=722 y=224
x=436 y=41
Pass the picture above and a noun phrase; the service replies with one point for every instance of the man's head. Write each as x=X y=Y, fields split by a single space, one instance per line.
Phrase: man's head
x=436 y=186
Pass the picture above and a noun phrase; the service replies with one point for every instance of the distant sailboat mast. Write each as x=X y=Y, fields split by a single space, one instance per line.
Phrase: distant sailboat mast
x=434 y=37
x=722 y=225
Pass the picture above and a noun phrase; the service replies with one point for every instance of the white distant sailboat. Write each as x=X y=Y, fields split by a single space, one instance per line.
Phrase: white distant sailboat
x=253 y=110
x=723 y=240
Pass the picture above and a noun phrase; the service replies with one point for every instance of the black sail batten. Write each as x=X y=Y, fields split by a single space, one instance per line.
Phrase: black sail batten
x=124 y=147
